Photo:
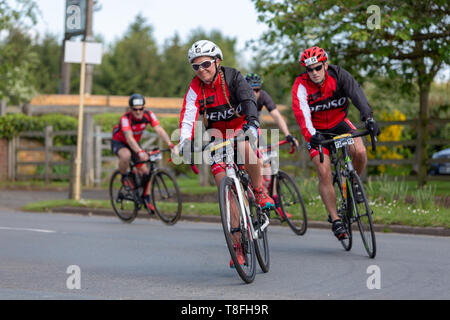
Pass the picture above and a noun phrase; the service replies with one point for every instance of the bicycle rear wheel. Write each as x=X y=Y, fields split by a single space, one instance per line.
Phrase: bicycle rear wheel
x=228 y=201
x=363 y=215
x=292 y=203
x=123 y=201
x=261 y=242
x=343 y=210
x=166 y=196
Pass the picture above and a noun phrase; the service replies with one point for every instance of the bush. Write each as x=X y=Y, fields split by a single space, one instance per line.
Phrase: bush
x=13 y=124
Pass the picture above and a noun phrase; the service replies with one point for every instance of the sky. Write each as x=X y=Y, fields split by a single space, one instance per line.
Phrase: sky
x=234 y=18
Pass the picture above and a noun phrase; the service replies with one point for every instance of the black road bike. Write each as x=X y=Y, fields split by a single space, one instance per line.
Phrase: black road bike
x=291 y=201
x=165 y=195
x=352 y=203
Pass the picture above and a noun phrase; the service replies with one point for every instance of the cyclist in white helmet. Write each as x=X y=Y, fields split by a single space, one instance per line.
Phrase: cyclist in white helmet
x=226 y=101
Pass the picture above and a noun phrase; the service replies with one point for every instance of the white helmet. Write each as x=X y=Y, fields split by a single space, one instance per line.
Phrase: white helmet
x=204 y=48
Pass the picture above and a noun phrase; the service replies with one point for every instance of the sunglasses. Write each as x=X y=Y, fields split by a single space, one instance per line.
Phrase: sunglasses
x=137 y=109
x=256 y=90
x=204 y=65
x=318 y=68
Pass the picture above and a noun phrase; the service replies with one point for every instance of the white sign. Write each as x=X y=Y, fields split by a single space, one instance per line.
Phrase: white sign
x=93 y=53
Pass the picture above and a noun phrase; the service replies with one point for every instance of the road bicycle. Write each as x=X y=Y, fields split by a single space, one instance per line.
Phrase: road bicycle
x=236 y=194
x=352 y=203
x=165 y=195
x=284 y=187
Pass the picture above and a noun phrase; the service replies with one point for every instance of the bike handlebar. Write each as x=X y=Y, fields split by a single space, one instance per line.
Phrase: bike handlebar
x=280 y=143
x=194 y=167
x=373 y=139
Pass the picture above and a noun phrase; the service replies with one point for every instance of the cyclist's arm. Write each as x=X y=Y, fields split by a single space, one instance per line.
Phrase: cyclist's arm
x=301 y=110
x=245 y=97
x=188 y=116
x=131 y=141
x=163 y=135
x=278 y=118
x=354 y=91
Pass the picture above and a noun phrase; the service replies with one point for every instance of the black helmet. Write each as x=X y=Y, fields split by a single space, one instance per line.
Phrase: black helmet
x=253 y=79
x=136 y=99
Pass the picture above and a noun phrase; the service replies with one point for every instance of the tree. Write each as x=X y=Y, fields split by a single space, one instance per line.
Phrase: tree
x=174 y=70
x=46 y=71
x=406 y=39
x=131 y=63
x=16 y=58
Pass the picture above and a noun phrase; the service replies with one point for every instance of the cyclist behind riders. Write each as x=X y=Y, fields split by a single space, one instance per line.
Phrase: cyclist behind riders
x=320 y=100
x=225 y=101
x=128 y=132
x=263 y=99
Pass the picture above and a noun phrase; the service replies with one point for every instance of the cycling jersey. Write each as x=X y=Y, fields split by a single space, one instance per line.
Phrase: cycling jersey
x=324 y=107
x=219 y=115
x=129 y=123
x=265 y=100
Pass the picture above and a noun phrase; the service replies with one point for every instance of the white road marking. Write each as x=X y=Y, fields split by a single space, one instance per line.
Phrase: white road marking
x=28 y=229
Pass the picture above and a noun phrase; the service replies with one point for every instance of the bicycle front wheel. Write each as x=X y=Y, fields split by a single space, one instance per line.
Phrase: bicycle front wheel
x=123 y=200
x=292 y=204
x=237 y=233
x=166 y=196
x=363 y=215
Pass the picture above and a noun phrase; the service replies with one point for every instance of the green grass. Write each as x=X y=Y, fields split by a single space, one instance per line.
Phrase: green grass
x=393 y=202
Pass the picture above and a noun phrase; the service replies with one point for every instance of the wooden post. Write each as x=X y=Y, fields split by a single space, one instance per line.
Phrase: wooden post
x=72 y=175
x=48 y=153
x=80 y=124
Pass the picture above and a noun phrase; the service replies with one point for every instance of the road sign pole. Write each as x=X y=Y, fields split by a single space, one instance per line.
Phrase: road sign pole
x=80 y=124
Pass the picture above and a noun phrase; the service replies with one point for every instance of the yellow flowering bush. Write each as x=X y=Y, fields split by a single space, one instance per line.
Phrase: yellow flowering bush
x=389 y=133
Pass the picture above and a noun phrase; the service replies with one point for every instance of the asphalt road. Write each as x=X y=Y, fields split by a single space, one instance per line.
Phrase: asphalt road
x=148 y=260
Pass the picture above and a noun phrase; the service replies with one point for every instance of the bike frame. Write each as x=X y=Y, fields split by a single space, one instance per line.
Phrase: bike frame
x=230 y=172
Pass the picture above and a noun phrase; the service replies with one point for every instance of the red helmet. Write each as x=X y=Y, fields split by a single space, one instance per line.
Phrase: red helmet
x=313 y=55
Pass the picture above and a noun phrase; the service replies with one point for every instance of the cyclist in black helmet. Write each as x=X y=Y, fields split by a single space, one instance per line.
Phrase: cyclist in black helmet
x=263 y=99
x=128 y=132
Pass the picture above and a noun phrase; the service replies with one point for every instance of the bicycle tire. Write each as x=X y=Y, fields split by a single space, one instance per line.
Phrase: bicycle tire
x=363 y=216
x=290 y=197
x=261 y=242
x=247 y=272
x=123 y=201
x=344 y=211
x=166 y=196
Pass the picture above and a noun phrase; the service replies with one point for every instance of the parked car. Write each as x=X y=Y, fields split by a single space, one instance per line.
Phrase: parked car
x=441 y=168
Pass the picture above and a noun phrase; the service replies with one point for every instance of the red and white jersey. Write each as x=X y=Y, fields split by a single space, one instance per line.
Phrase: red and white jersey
x=220 y=116
x=129 y=123
x=324 y=107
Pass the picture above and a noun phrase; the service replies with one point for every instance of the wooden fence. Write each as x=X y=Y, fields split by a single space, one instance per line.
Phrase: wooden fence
x=97 y=166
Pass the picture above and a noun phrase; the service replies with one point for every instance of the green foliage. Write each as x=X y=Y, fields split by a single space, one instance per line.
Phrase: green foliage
x=130 y=65
x=13 y=124
x=16 y=58
x=409 y=34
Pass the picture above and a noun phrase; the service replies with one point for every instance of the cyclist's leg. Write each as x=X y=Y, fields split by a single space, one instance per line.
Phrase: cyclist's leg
x=253 y=166
x=359 y=155
x=326 y=189
x=124 y=153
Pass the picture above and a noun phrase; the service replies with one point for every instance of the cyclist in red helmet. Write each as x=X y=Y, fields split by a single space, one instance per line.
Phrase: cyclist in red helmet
x=320 y=101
